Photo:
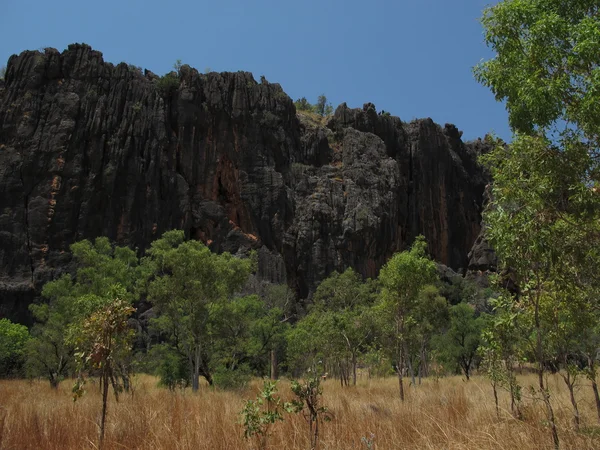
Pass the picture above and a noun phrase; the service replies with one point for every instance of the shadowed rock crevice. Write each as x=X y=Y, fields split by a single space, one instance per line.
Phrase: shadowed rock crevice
x=88 y=148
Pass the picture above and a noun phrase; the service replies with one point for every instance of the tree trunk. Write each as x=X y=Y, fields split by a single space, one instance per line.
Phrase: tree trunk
x=512 y=401
x=540 y=357
x=196 y=371
x=592 y=377
x=126 y=382
x=274 y=365
x=354 y=369
x=550 y=412
x=411 y=370
x=346 y=371
x=496 y=399
x=400 y=381
x=422 y=361
x=576 y=420
x=53 y=380
x=314 y=434
x=105 y=383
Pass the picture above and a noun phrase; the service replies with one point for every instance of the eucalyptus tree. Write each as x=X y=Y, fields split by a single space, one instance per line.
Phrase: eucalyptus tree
x=543 y=215
x=187 y=282
x=402 y=279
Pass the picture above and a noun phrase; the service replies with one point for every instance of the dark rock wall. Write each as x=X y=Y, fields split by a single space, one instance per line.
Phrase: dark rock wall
x=88 y=148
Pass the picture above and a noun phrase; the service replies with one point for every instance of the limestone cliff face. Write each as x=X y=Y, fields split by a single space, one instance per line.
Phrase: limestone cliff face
x=88 y=149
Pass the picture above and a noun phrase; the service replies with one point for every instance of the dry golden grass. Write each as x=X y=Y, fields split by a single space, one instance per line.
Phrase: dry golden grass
x=449 y=414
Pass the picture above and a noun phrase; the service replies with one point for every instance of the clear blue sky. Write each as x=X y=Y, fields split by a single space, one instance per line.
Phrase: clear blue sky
x=412 y=58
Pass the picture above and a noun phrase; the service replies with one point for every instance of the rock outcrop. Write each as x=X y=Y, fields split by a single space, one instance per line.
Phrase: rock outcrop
x=88 y=148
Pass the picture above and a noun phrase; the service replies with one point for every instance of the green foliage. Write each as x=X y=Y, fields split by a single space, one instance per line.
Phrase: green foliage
x=344 y=291
x=104 y=273
x=308 y=393
x=459 y=289
x=2 y=72
x=546 y=68
x=309 y=402
x=405 y=275
x=259 y=415
x=177 y=66
x=232 y=379
x=170 y=366
x=501 y=349
x=168 y=83
x=323 y=108
x=13 y=341
x=338 y=328
x=303 y=105
x=543 y=218
x=402 y=279
x=430 y=317
x=458 y=347
x=190 y=287
x=102 y=342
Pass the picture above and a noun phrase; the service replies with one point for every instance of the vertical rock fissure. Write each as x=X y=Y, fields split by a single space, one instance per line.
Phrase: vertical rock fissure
x=26 y=220
x=409 y=194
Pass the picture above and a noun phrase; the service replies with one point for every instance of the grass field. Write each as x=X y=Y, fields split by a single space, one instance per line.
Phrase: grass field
x=449 y=414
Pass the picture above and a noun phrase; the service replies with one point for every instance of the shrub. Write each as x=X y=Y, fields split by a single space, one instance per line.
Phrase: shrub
x=259 y=415
x=309 y=402
x=227 y=379
x=171 y=367
x=303 y=105
x=13 y=338
x=167 y=83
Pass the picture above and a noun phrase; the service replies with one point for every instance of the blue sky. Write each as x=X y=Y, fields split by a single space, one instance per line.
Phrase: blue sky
x=412 y=58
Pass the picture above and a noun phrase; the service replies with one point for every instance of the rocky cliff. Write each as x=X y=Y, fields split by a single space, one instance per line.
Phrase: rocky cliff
x=88 y=148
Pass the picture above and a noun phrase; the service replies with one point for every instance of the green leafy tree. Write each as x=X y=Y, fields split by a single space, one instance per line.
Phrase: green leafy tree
x=343 y=303
x=188 y=282
x=13 y=342
x=269 y=330
x=570 y=319
x=322 y=107
x=458 y=346
x=303 y=105
x=543 y=218
x=538 y=222
x=501 y=348
x=546 y=64
x=244 y=330
x=101 y=342
x=306 y=344
x=402 y=279
x=590 y=353
x=431 y=316
x=170 y=365
x=104 y=271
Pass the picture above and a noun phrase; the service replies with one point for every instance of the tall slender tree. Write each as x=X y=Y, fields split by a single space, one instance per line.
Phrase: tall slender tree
x=401 y=280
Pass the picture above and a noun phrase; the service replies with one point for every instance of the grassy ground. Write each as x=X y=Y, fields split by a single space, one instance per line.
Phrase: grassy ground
x=449 y=414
